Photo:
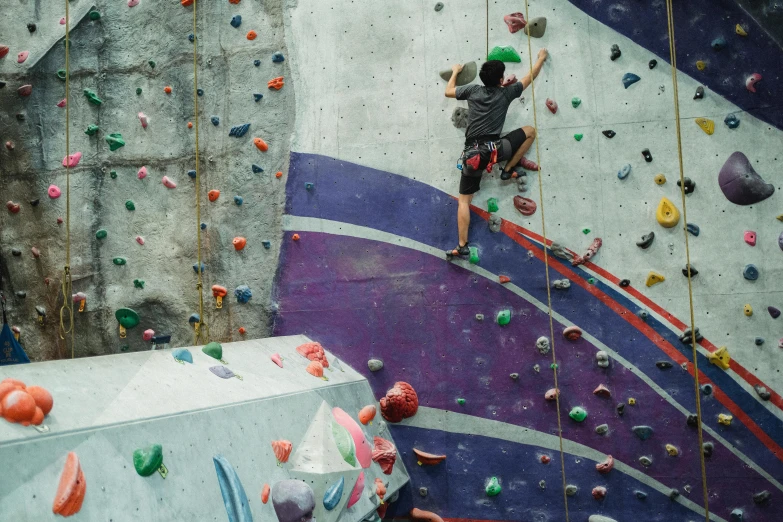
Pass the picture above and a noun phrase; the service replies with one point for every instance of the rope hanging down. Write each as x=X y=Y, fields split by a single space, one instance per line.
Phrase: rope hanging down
x=202 y=330
x=673 y=59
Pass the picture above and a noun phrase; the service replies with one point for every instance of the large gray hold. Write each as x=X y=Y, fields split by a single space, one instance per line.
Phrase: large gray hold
x=536 y=27
x=460 y=117
x=495 y=222
x=293 y=501
x=466 y=75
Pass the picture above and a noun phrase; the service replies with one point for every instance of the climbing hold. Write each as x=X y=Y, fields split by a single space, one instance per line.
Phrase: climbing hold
x=474 y=257
x=142 y=173
x=616 y=53
x=260 y=144
x=504 y=317
x=192 y=174
x=747 y=310
x=95 y=15
x=115 y=141
x=278 y=57
x=514 y=376
x=275 y=357
x=400 y=402
x=92 y=130
x=645 y=461
x=200 y=92
x=504 y=54
x=231 y=489
x=602 y=359
x=624 y=171
x=239 y=243
x=428 y=459
x=92 y=97
x=503 y=279
x=238 y=200
x=751 y=82
x=693 y=228
x=654 y=278
x=761 y=497
x=130 y=205
x=659 y=179
x=257 y=169
x=562 y=284
x=71 y=488
x=526 y=206
x=367 y=414
x=631 y=401
x=572 y=333
x=736 y=515
x=629 y=79
x=276 y=83
x=706 y=125
x=692 y=420
x=707 y=448
x=701 y=65
x=758 y=341
x=718 y=44
x=167 y=89
x=740 y=183
x=667 y=214
x=239 y=130
x=138 y=283
x=536 y=27
x=750 y=272
x=599 y=492
x=334 y=494
x=577 y=414
x=643 y=432
x=689 y=185
x=579 y=136
x=647 y=156
x=603 y=429
x=699 y=95
x=113 y=174
x=551 y=105
x=213 y=195
x=552 y=394
x=251 y=35
x=36 y=253
x=101 y=234
x=119 y=261
x=26 y=90
x=438 y=6
x=72 y=160
x=215 y=120
x=148 y=460
x=133 y=3
x=725 y=419
x=706 y=389
x=464 y=77
x=571 y=490
x=243 y=293
x=384 y=454
x=515 y=22
x=167 y=182
x=143 y=119
x=295 y=237
x=575 y=102
x=22 y=56
x=720 y=358
x=213 y=349
x=236 y=21
x=12 y=207
x=492 y=205
x=691 y=269
x=609 y=133
x=731 y=121
x=602 y=391
x=493 y=487
x=773 y=312
x=53 y=191
x=148 y=334
x=266 y=244
x=762 y=392
x=223 y=372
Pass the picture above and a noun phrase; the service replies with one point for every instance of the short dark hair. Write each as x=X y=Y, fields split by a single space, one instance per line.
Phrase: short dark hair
x=492 y=73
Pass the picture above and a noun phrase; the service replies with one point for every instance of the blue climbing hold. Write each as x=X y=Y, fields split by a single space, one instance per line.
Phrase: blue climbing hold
x=623 y=172
x=200 y=92
x=215 y=120
x=182 y=354
x=731 y=121
x=238 y=200
x=257 y=63
x=629 y=79
x=641 y=495
x=203 y=226
x=266 y=244
x=750 y=272
x=203 y=266
x=759 y=341
x=258 y=96
x=278 y=57
x=234 y=496
x=192 y=174
x=239 y=130
x=191 y=37
x=236 y=21
x=257 y=169
x=334 y=494
x=309 y=185
x=243 y=293
x=693 y=228
x=718 y=43
x=194 y=318
x=643 y=432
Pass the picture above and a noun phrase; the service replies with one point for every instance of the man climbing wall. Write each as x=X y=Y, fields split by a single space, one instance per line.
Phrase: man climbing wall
x=484 y=146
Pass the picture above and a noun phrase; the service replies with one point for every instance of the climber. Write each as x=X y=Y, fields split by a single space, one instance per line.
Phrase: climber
x=484 y=146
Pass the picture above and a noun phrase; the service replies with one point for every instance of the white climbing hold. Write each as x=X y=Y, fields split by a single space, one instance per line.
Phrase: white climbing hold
x=600 y=518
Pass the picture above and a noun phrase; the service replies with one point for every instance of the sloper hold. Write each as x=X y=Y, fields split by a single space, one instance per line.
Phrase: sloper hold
x=71 y=488
x=629 y=79
x=234 y=497
x=536 y=27
x=707 y=125
x=465 y=76
x=643 y=432
x=699 y=93
x=667 y=214
x=334 y=494
x=504 y=54
x=740 y=182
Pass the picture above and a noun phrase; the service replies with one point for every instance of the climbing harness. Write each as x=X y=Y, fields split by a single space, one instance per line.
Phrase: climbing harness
x=479 y=156
x=682 y=184
x=67 y=282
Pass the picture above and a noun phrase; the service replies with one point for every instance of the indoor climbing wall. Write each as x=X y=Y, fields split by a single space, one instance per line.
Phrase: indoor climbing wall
x=133 y=224
x=370 y=209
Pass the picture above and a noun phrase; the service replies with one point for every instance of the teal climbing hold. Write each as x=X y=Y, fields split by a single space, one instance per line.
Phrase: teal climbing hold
x=719 y=43
x=643 y=432
x=101 y=234
x=147 y=460
x=130 y=205
x=492 y=205
x=95 y=15
x=214 y=350
x=629 y=79
x=474 y=257
x=119 y=261
x=152 y=63
x=575 y=102
x=334 y=494
x=92 y=97
x=115 y=141
x=504 y=54
x=234 y=496
x=493 y=488
x=182 y=354
x=577 y=413
x=92 y=130
x=138 y=90
x=138 y=283
x=61 y=74
x=750 y=272
x=113 y=174
x=504 y=317
x=731 y=121
x=591 y=281
x=624 y=172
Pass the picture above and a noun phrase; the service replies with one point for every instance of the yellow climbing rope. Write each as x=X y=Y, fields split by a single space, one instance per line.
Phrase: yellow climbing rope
x=67 y=282
x=201 y=329
x=673 y=59
x=546 y=264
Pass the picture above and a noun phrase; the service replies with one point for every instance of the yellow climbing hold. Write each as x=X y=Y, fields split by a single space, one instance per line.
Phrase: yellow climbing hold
x=653 y=278
x=740 y=30
x=747 y=310
x=701 y=65
x=721 y=357
x=660 y=179
x=667 y=214
x=706 y=125
x=631 y=401
x=725 y=419
x=672 y=450
x=779 y=217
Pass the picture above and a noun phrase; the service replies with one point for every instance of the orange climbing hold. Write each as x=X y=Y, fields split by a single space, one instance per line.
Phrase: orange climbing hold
x=190 y=125
x=315 y=369
x=213 y=194
x=242 y=330
x=282 y=449
x=279 y=174
x=236 y=2
x=504 y=279
x=295 y=237
x=239 y=243
x=367 y=414
x=19 y=406
x=251 y=35
x=314 y=352
x=427 y=516
x=186 y=3
x=276 y=83
x=380 y=488
x=266 y=489
x=43 y=399
x=428 y=459
x=70 y=492
x=260 y=144
x=167 y=89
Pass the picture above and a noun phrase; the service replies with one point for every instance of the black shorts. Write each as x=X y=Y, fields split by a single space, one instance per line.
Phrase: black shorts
x=507 y=145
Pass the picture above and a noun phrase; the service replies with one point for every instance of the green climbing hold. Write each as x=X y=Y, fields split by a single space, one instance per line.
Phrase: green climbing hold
x=115 y=141
x=504 y=317
x=124 y=347
x=492 y=205
x=92 y=97
x=119 y=261
x=130 y=205
x=553 y=366
x=578 y=413
x=138 y=90
x=504 y=54
x=61 y=74
x=591 y=281
x=138 y=283
x=474 y=257
x=214 y=350
x=578 y=137
x=92 y=130
x=575 y=102
x=585 y=231
x=95 y=15
x=493 y=488
x=461 y=401
x=101 y=234
x=127 y=317
x=148 y=460
x=113 y=174
x=345 y=444
x=152 y=63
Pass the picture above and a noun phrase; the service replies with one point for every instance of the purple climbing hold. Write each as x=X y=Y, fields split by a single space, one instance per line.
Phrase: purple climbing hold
x=222 y=372
x=780 y=240
x=774 y=312
x=740 y=183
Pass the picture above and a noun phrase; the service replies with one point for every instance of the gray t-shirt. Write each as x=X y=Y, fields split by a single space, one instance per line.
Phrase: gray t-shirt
x=487 y=108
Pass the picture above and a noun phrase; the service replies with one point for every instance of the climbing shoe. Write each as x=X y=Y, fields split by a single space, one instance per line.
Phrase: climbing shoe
x=463 y=250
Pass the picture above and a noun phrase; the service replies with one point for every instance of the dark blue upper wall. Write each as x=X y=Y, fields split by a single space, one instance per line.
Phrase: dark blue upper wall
x=697 y=23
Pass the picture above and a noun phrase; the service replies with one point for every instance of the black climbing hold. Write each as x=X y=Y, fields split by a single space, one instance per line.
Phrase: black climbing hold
x=191 y=37
x=664 y=365
x=693 y=229
x=438 y=6
x=694 y=272
x=192 y=174
x=750 y=272
x=215 y=120
x=278 y=57
x=200 y=92
x=16 y=252
x=257 y=63
x=20 y=116
x=2 y=84
x=692 y=420
x=762 y=392
x=21 y=294
x=31 y=28
x=34 y=202
x=625 y=282
x=258 y=96
x=674 y=493
x=646 y=241
x=707 y=448
x=759 y=341
x=736 y=515
x=609 y=133
x=689 y=185
x=761 y=497
x=647 y=155
x=642 y=314
x=773 y=312
x=203 y=226
x=641 y=495
x=686 y=337
x=257 y=169
x=652 y=64
x=616 y=53
x=706 y=389
x=266 y=244
x=699 y=93
x=621 y=408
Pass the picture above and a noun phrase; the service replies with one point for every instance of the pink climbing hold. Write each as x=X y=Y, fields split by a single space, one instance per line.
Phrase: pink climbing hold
x=526 y=206
x=591 y=251
x=602 y=391
x=572 y=333
x=54 y=191
x=142 y=173
x=62 y=103
x=133 y=3
x=148 y=334
x=752 y=80
x=72 y=160
x=62 y=21
x=599 y=492
x=140 y=240
x=168 y=182
x=143 y=120
x=551 y=105
x=551 y=394
x=606 y=466
x=515 y=22
x=356 y=493
x=22 y=56
x=508 y=80
x=750 y=237
x=277 y=359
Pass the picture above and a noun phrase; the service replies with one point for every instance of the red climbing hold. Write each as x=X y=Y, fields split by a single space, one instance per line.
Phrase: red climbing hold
x=266 y=490
x=186 y=3
x=606 y=466
x=551 y=105
x=4 y=51
x=504 y=279
x=602 y=391
x=599 y=492
x=428 y=459
x=314 y=352
x=572 y=333
x=515 y=22
x=260 y=144
x=251 y=35
x=400 y=402
x=545 y=459
x=71 y=489
x=591 y=251
x=167 y=89
x=25 y=90
x=295 y=237
x=242 y=330
x=526 y=206
x=9 y=145
x=213 y=195
x=385 y=454
x=239 y=243
x=12 y=207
